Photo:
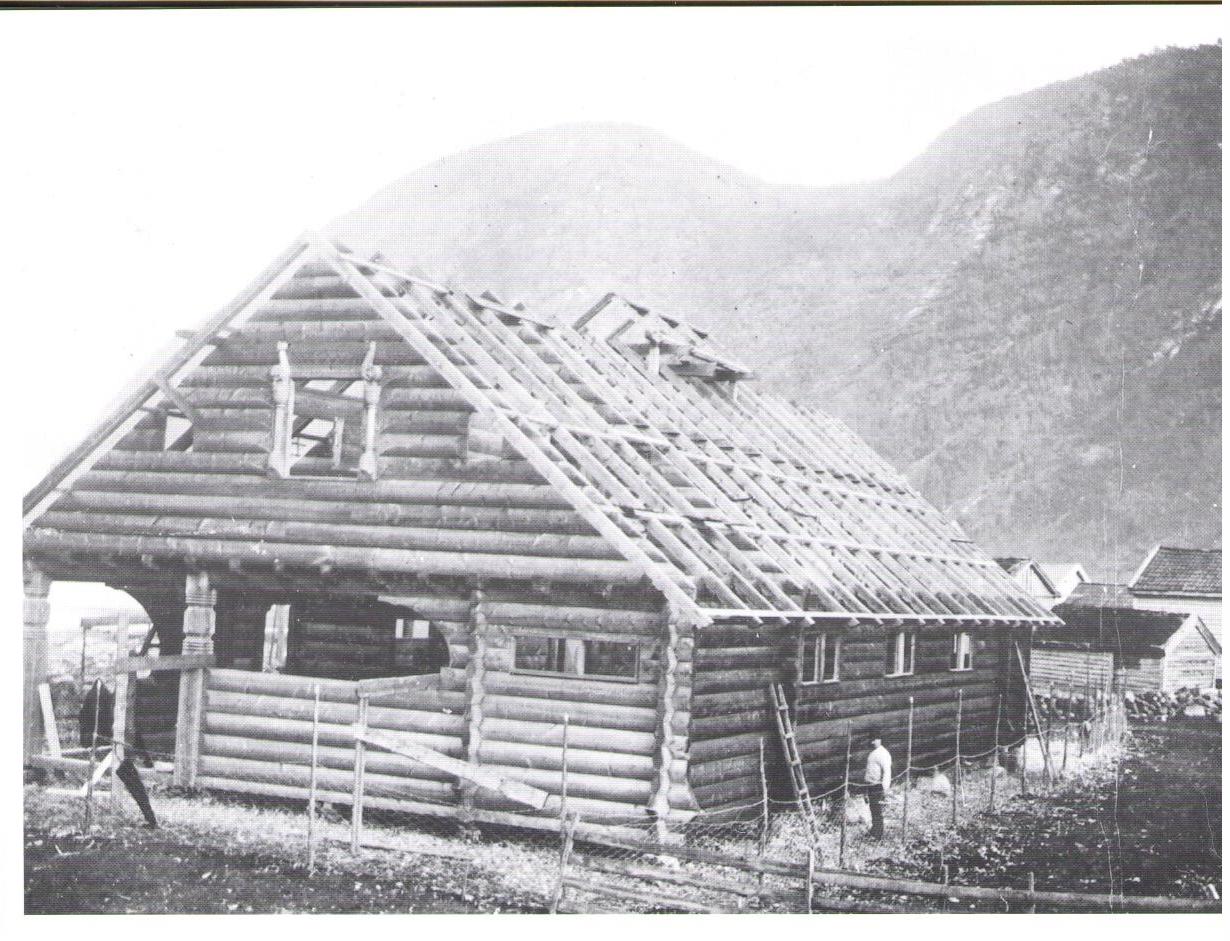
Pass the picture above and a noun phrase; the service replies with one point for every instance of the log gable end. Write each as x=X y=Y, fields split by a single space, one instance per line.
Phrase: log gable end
x=591 y=535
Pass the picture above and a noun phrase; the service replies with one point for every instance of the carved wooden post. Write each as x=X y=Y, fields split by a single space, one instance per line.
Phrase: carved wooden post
x=35 y=613
x=284 y=412
x=199 y=617
x=372 y=374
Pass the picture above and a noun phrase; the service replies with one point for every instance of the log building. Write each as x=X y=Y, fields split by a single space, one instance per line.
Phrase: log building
x=352 y=473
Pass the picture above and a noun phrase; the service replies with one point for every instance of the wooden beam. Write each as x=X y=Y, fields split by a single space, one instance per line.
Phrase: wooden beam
x=403 y=744
x=36 y=611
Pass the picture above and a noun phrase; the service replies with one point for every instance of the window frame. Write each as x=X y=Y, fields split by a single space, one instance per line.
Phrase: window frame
x=899 y=666
x=955 y=665
x=818 y=662
x=574 y=653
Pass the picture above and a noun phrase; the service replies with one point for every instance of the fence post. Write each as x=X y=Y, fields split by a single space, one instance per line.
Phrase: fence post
x=909 y=762
x=956 y=764
x=999 y=708
x=764 y=805
x=360 y=763
x=811 y=878
x=312 y=779
x=565 y=851
x=1032 y=905
x=1025 y=747
x=845 y=800
x=563 y=787
x=119 y=714
x=89 y=781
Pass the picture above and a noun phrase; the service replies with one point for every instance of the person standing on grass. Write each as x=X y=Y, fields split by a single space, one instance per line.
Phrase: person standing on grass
x=876 y=781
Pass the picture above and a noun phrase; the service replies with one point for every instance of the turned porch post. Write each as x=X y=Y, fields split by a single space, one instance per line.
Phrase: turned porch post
x=35 y=613
x=199 y=618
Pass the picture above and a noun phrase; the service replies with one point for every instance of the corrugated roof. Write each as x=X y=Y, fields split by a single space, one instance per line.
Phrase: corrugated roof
x=1174 y=571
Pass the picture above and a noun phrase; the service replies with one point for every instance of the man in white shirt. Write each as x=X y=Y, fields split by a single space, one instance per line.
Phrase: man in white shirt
x=877 y=779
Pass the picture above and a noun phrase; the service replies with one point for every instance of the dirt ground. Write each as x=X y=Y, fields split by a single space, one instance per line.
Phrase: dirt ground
x=1148 y=823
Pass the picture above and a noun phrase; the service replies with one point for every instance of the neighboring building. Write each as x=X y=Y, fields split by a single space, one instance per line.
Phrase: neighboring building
x=1173 y=579
x=1066 y=577
x=538 y=527
x=1101 y=595
x=1139 y=650
x=1030 y=576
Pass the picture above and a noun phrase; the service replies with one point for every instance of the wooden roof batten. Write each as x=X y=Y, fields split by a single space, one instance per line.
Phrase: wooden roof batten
x=733 y=507
x=692 y=539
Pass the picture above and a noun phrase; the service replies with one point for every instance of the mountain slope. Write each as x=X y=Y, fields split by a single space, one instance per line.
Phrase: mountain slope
x=1026 y=318
x=1061 y=387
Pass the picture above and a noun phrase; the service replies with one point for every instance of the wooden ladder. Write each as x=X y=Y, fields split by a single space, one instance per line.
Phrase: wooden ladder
x=790 y=746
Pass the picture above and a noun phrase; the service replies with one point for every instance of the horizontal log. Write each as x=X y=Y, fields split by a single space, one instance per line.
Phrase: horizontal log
x=716 y=681
x=594 y=786
x=561 y=689
x=389 y=686
x=580 y=760
x=296 y=331
x=817 y=729
x=342 y=796
x=456 y=493
x=329 y=756
x=327 y=533
x=329 y=779
x=475 y=564
x=502 y=706
x=579 y=736
x=439 y=730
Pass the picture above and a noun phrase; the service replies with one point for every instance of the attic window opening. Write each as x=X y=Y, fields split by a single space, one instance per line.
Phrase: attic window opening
x=325 y=426
x=571 y=656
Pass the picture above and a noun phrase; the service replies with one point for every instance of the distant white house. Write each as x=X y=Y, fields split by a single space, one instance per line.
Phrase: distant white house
x=1188 y=580
x=1031 y=576
x=1064 y=576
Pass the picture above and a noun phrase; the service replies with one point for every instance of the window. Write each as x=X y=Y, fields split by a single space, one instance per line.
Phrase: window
x=962 y=652
x=536 y=653
x=899 y=660
x=322 y=426
x=327 y=429
x=818 y=656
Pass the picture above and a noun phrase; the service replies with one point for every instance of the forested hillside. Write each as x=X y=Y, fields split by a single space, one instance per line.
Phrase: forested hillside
x=1026 y=318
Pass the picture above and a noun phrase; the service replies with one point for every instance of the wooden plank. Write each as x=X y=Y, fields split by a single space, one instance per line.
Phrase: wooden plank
x=189 y=661
x=404 y=745
x=50 y=729
x=395 y=685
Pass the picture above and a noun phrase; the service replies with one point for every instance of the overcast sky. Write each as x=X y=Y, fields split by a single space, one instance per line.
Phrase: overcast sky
x=155 y=161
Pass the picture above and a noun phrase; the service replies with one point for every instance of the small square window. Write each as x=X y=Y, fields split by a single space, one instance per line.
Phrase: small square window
x=541 y=654
x=610 y=658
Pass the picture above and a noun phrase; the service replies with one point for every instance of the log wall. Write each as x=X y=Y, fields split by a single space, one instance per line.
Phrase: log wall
x=732 y=709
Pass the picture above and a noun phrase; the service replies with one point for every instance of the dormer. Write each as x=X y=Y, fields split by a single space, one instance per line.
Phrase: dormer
x=664 y=342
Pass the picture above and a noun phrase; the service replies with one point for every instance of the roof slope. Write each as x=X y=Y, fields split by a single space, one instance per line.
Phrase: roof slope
x=1173 y=571
x=1126 y=629
x=1100 y=595
x=732 y=505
